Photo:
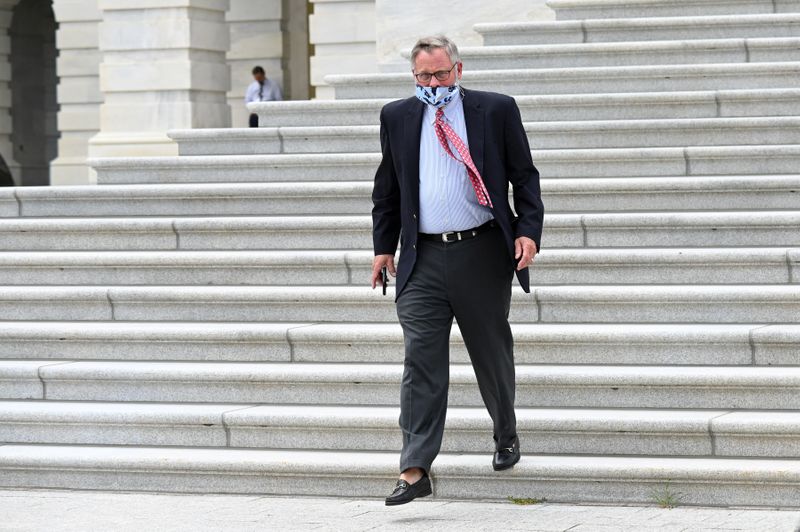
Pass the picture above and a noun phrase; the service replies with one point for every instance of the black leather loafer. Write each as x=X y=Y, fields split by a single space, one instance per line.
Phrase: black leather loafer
x=405 y=492
x=506 y=458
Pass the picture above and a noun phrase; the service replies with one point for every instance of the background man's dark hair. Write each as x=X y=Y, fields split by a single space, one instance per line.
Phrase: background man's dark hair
x=258 y=70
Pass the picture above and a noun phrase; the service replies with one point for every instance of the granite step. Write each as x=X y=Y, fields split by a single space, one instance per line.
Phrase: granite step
x=567 y=343
x=193 y=199
x=640 y=29
x=537 y=386
x=350 y=232
x=559 y=107
x=374 y=428
x=720 y=193
x=541 y=136
x=583 y=195
x=342 y=267
x=582 y=80
x=766 y=303
x=382 y=343
x=631 y=53
x=554 y=163
x=633 y=480
x=604 y=9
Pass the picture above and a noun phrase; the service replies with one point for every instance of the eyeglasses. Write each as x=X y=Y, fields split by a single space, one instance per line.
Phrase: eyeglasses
x=441 y=75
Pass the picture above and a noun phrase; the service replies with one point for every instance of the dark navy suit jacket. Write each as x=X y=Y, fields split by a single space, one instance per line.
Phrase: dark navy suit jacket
x=499 y=148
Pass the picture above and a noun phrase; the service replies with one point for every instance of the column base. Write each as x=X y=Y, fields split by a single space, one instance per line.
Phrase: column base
x=71 y=171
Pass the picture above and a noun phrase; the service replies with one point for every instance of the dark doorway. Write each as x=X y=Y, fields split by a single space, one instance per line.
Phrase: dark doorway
x=33 y=89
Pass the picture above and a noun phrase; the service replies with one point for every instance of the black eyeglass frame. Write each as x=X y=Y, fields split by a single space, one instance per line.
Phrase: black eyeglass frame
x=441 y=75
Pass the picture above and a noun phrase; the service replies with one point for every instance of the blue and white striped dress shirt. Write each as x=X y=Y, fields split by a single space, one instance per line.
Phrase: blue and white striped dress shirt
x=447 y=201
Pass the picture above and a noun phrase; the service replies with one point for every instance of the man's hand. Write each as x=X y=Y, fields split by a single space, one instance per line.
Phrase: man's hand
x=379 y=262
x=524 y=250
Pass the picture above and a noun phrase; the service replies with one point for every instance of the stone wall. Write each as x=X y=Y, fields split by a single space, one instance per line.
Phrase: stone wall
x=78 y=94
x=163 y=67
x=342 y=33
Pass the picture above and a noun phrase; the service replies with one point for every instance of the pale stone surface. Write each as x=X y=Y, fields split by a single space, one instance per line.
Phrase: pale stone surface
x=626 y=54
x=467 y=429
x=557 y=386
x=255 y=342
x=197 y=199
x=542 y=344
x=79 y=108
x=162 y=67
x=340 y=267
x=582 y=80
x=631 y=480
x=571 y=9
x=256 y=38
x=554 y=163
x=113 y=423
x=578 y=195
x=641 y=29
x=400 y=24
x=343 y=35
x=95 y=511
x=563 y=107
x=585 y=134
x=216 y=269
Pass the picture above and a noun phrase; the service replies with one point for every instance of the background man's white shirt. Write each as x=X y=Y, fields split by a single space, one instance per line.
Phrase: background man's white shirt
x=258 y=93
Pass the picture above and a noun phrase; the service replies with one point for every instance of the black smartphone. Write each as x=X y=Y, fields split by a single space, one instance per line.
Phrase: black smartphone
x=384 y=279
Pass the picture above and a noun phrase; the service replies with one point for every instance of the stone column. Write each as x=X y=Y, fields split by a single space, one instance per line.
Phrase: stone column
x=343 y=36
x=400 y=24
x=79 y=96
x=163 y=67
x=295 y=50
x=6 y=147
x=256 y=39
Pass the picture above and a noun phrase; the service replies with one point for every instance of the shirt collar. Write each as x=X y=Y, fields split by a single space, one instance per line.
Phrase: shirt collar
x=449 y=109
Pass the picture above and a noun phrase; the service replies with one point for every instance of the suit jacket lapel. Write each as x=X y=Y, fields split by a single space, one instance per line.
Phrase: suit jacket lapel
x=411 y=134
x=474 y=118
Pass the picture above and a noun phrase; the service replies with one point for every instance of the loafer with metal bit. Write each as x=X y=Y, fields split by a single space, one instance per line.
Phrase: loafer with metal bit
x=405 y=492
x=506 y=457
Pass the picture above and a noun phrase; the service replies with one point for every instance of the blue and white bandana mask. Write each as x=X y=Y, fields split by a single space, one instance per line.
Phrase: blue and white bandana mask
x=436 y=96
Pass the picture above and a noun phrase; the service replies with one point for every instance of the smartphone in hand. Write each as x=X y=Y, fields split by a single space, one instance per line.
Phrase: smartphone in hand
x=384 y=279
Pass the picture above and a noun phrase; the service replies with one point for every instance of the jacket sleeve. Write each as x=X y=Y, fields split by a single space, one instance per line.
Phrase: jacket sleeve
x=524 y=178
x=386 y=221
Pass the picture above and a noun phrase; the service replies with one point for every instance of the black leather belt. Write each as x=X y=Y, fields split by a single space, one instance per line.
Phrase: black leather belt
x=455 y=236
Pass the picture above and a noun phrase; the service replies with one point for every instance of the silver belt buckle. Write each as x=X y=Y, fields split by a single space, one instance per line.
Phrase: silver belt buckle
x=444 y=236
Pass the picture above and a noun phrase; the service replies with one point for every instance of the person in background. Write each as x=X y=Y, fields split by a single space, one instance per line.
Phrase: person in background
x=261 y=90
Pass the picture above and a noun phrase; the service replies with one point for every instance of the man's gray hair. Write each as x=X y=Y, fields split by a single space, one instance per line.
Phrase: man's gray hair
x=428 y=44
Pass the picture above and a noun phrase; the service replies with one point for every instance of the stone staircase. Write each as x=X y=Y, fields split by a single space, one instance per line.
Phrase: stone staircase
x=202 y=323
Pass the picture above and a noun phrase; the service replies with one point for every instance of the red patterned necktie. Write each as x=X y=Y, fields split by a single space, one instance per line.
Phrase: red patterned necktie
x=444 y=132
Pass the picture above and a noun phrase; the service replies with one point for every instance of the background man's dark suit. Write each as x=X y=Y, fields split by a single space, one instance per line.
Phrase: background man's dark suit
x=499 y=147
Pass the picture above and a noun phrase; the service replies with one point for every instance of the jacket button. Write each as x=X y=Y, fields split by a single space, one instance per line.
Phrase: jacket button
x=414 y=246
x=414 y=216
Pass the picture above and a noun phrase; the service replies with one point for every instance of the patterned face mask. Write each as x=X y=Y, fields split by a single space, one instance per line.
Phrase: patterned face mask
x=436 y=96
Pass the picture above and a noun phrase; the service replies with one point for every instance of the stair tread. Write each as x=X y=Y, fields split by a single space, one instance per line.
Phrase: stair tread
x=384 y=463
x=359 y=416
